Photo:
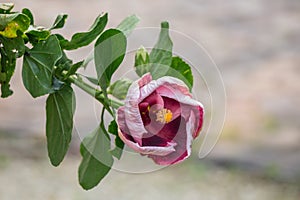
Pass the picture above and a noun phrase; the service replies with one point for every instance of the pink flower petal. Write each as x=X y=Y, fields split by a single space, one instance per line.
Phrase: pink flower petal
x=180 y=152
x=132 y=116
x=184 y=139
x=124 y=135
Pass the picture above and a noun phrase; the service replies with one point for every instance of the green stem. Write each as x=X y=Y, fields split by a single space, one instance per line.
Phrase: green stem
x=94 y=92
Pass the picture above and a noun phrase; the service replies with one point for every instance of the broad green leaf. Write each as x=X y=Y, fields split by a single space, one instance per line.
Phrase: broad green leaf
x=109 y=53
x=96 y=159
x=113 y=129
x=181 y=70
x=128 y=24
x=85 y=38
x=12 y=23
x=59 y=21
x=119 y=88
x=141 y=63
x=38 y=66
x=5 y=8
x=60 y=107
x=27 y=12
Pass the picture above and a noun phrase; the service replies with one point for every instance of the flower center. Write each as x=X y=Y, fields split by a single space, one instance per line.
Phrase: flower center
x=164 y=116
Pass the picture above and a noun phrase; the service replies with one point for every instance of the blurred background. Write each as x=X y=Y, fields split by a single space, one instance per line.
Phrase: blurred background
x=256 y=46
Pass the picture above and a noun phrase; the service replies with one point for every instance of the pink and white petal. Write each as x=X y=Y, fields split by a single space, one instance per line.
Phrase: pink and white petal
x=186 y=104
x=148 y=150
x=131 y=113
x=145 y=79
x=169 y=91
x=198 y=113
x=175 y=83
x=148 y=89
x=190 y=130
x=199 y=119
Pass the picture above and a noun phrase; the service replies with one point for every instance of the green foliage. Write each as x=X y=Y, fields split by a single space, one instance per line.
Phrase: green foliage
x=162 y=51
x=142 y=60
x=7 y=66
x=161 y=62
x=10 y=24
x=181 y=70
x=119 y=88
x=109 y=53
x=29 y=14
x=96 y=159
x=119 y=144
x=160 y=58
x=12 y=49
x=85 y=38
x=36 y=34
x=60 y=107
x=38 y=66
x=128 y=24
x=59 y=21
x=6 y=8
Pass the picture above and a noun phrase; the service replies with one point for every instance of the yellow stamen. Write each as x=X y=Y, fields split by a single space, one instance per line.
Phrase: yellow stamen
x=164 y=116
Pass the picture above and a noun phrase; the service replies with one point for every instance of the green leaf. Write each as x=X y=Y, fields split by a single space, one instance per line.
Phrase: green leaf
x=85 y=38
x=96 y=159
x=74 y=68
x=160 y=58
x=5 y=90
x=27 y=12
x=7 y=68
x=119 y=88
x=142 y=60
x=59 y=21
x=12 y=48
x=181 y=70
x=64 y=63
x=128 y=24
x=36 y=34
x=162 y=51
x=6 y=7
x=38 y=66
x=113 y=129
x=10 y=24
x=60 y=107
x=109 y=53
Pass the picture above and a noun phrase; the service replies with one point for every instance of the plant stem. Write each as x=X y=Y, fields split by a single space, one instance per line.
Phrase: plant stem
x=94 y=92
